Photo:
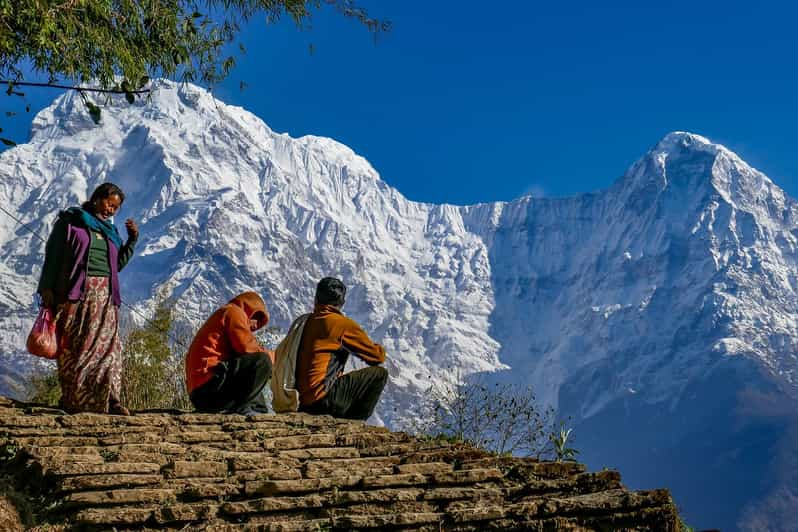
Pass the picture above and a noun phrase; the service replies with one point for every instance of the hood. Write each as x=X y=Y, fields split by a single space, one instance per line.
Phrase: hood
x=253 y=306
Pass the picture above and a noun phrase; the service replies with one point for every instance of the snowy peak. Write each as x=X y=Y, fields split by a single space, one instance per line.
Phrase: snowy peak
x=687 y=171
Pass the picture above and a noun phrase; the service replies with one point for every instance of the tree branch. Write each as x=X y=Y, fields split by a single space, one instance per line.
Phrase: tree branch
x=73 y=88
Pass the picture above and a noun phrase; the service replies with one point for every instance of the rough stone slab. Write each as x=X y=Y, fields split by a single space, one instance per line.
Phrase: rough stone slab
x=387 y=520
x=196 y=489
x=579 y=484
x=86 y=419
x=114 y=516
x=449 y=454
x=394 y=507
x=468 y=476
x=274 y=473
x=409 y=479
x=52 y=462
x=265 y=434
x=357 y=427
x=181 y=469
x=274 y=504
x=175 y=513
x=105 y=431
x=180 y=427
x=393 y=449
x=309 y=525
x=197 y=437
x=427 y=468
x=277 y=487
x=94 y=482
x=244 y=462
x=478 y=513
x=23 y=432
x=358 y=466
x=300 y=442
x=124 y=496
x=606 y=502
x=208 y=419
x=368 y=439
x=158 y=448
x=104 y=469
x=238 y=446
x=236 y=426
x=306 y=420
x=323 y=452
x=123 y=438
x=376 y=496
x=66 y=454
x=28 y=421
x=56 y=441
x=143 y=419
x=455 y=493
x=532 y=471
x=136 y=457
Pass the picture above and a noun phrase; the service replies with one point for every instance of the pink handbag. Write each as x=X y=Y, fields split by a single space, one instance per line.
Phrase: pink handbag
x=42 y=340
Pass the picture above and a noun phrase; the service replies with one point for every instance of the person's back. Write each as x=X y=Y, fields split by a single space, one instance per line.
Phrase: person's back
x=226 y=367
x=328 y=339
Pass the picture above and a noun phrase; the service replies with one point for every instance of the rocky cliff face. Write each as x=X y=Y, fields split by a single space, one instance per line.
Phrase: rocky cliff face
x=659 y=314
x=294 y=472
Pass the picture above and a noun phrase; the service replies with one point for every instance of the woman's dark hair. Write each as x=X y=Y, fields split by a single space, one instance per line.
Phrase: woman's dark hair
x=331 y=291
x=104 y=191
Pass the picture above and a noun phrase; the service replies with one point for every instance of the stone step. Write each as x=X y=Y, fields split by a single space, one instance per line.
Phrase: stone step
x=363 y=522
x=111 y=468
x=98 y=482
x=108 y=517
x=201 y=469
x=279 y=487
x=321 y=453
x=119 y=497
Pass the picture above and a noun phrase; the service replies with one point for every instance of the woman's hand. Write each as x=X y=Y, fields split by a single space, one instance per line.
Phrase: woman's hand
x=132 y=229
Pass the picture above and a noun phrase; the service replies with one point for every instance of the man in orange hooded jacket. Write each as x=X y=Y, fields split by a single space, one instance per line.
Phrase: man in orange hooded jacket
x=226 y=367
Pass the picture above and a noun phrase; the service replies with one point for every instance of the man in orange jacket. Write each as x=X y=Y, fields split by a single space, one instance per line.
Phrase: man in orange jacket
x=226 y=367
x=328 y=339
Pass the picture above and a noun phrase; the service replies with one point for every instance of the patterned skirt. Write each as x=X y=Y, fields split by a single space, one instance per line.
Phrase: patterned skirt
x=90 y=354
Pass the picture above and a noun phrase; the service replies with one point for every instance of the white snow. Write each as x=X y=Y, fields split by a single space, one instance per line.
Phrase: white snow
x=690 y=254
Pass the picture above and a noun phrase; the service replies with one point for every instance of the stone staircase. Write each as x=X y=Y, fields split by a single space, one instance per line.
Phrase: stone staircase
x=186 y=471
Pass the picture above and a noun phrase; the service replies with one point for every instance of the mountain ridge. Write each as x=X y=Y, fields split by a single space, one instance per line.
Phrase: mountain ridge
x=684 y=269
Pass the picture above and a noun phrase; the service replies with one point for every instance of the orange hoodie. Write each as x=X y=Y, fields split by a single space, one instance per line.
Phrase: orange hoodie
x=225 y=335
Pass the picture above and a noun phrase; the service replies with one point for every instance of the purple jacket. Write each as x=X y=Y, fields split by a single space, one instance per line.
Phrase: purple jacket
x=66 y=262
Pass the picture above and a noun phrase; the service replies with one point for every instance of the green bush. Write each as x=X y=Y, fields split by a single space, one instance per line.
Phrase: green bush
x=153 y=375
x=44 y=388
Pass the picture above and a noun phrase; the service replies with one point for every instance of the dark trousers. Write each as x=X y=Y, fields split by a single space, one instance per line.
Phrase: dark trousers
x=352 y=396
x=236 y=385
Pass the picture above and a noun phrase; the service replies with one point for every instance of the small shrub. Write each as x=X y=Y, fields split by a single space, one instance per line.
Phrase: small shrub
x=559 y=443
x=153 y=375
x=44 y=388
x=502 y=418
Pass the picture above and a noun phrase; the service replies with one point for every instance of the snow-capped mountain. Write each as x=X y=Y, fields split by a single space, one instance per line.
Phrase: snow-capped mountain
x=659 y=314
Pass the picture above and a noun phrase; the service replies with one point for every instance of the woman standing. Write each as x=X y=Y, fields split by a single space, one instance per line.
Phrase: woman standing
x=80 y=281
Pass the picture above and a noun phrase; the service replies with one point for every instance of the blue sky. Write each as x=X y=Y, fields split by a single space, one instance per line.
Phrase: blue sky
x=463 y=102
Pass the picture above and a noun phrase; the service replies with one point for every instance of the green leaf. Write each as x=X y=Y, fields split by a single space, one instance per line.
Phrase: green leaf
x=143 y=81
x=94 y=112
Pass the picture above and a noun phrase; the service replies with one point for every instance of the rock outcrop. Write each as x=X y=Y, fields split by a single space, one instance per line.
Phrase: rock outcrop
x=188 y=471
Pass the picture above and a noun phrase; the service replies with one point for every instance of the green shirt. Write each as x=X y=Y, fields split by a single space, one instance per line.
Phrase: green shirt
x=98 y=256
